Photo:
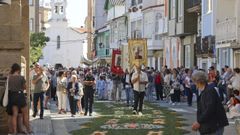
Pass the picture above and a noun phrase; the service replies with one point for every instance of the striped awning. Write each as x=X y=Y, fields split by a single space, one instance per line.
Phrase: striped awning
x=117 y=2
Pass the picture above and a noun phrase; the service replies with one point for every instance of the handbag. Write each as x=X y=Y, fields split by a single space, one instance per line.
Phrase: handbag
x=172 y=91
x=5 y=97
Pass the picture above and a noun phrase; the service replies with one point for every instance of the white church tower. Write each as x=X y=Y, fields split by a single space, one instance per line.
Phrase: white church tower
x=59 y=10
x=66 y=44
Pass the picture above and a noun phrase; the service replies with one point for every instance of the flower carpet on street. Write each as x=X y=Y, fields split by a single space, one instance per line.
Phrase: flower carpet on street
x=117 y=119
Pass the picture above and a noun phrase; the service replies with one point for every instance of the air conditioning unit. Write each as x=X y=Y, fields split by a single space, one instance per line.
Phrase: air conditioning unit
x=5 y=2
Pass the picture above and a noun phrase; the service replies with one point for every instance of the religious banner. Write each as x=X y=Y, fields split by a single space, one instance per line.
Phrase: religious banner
x=117 y=62
x=137 y=52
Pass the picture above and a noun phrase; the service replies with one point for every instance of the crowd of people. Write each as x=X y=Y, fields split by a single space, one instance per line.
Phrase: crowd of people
x=74 y=89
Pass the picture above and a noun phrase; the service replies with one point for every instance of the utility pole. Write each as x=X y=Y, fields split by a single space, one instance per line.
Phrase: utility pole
x=90 y=29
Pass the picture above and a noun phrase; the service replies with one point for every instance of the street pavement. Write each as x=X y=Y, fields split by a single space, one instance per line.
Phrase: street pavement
x=189 y=113
x=62 y=124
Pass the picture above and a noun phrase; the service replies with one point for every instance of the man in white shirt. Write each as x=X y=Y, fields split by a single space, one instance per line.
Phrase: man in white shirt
x=139 y=80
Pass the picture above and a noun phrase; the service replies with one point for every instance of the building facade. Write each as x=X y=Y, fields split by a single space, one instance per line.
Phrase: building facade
x=228 y=33
x=154 y=25
x=207 y=56
x=66 y=44
x=101 y=39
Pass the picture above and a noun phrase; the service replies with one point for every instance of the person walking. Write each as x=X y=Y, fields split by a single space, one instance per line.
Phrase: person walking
x=150 y=86
x=116 y=87
x=176 y=87
x=128 y=88
x=101 y=87
x=159 y=86
x=61 y=92
x=187 y=82
x=139 y=81
x=73 y=94
x=211 y=116
x=89 y=82
x=41 y=84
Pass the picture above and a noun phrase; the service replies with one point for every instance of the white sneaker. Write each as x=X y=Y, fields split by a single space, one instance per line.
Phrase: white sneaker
x=134 y=112
x=173 y=104
x=140 y=113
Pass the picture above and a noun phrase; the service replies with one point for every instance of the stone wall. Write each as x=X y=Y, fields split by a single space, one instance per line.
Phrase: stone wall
x=14 y=44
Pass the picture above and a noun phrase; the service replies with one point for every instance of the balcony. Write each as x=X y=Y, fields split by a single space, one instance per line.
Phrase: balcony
x=194 y=6
x=227 y=31
x=103 y=52
x=206 y=47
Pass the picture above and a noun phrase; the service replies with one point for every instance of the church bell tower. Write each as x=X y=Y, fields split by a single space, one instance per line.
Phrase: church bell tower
x=59 y=10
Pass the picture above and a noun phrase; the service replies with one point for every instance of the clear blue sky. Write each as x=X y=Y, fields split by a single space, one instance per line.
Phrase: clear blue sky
x=76 y=12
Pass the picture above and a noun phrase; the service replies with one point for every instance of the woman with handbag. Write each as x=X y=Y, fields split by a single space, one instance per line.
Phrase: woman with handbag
x=73 y=94
x=61 y=92
x=17 y=100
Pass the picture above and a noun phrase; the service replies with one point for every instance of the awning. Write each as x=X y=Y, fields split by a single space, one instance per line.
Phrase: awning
x=87 y=61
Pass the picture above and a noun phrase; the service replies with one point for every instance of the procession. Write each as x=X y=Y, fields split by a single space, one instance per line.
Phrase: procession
x=119 y=67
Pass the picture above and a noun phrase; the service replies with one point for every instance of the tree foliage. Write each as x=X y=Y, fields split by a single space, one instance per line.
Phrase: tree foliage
x=37 y=43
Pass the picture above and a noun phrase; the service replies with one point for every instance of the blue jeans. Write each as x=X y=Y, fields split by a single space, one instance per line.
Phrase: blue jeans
x=36 y=97
x=129 y=95
x=149 y=92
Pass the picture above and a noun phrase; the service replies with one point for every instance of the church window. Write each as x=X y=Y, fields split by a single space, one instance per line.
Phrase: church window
x=62 y=9
x=56 y=9
x=58 y=42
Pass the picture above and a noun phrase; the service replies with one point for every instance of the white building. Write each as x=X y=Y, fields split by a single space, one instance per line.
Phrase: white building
x=66 y=43
x=154 y=28
x=228 y=33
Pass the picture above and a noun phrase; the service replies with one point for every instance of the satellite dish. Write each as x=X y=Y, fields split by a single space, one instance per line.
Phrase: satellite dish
x=5 y=2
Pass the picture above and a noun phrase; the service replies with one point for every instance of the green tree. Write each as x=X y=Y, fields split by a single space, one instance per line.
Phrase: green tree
x=37 y=43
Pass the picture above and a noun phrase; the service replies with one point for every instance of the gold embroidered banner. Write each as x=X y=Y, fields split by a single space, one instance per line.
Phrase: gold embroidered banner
x=137 y=52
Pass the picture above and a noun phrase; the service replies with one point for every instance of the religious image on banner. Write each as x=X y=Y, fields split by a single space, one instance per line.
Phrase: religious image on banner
x=117 y=62
x=137 y=52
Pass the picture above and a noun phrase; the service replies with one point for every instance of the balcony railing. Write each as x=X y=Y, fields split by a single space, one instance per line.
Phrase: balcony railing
x=103 y=52
x=205 y=46
x=193 y=3
x=226 y=30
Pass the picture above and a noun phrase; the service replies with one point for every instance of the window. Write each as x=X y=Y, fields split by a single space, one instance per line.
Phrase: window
x=135 y=2
x=30 y=2
x=62 y=9
x=148 y=25
x=208 y=6
x=180 y=9
x=237 y=59
x=58 y=42
x=56 y=9
x=172 y=9
x=187 y=56
x=136 y=29
x=31 y=25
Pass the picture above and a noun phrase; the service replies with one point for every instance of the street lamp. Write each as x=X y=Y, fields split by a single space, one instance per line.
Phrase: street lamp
x=5 y=2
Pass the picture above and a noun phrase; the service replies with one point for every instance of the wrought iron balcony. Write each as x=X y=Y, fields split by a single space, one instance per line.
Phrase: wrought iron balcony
x=206 y=47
